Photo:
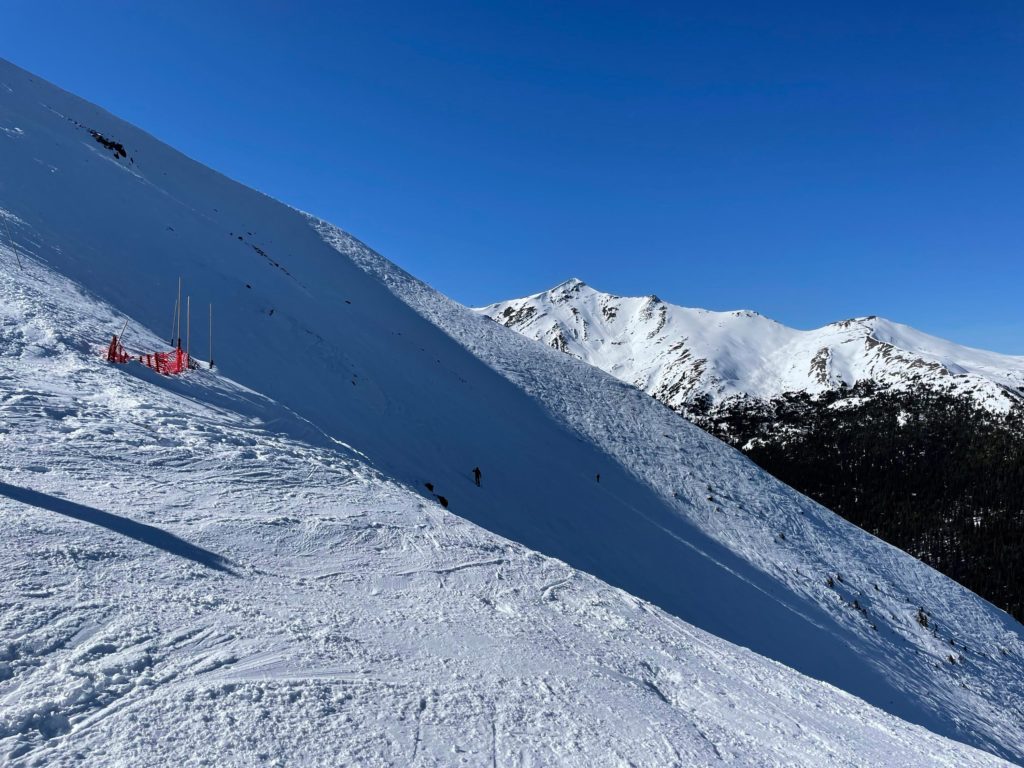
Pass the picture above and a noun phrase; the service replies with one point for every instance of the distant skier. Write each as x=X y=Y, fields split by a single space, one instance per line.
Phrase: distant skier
x=598 y=477
x=476 y=476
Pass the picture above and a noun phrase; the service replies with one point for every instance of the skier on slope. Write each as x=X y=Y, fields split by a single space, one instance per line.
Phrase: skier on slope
x=476 y=476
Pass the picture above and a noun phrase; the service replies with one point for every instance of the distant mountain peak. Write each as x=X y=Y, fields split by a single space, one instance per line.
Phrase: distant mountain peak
x=684 y=355
x=572 y=284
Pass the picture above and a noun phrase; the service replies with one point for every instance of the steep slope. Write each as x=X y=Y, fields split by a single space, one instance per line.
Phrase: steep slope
x=910 y=437
x=194 y=576
x=425 y=390
x=680 y=355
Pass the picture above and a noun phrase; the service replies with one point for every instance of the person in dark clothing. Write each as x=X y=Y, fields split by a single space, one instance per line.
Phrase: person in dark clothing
x=476 y=476
x=598 y=477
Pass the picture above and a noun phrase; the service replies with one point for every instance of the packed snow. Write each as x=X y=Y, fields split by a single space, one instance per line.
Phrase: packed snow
x=678 y=354
x=285 y=522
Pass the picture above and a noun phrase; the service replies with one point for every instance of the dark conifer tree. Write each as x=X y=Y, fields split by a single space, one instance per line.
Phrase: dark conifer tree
x=931 y=472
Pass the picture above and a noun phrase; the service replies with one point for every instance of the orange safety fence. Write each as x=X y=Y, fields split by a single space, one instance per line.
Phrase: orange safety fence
x=167 y=362
x=172 y=362
x=116 y=353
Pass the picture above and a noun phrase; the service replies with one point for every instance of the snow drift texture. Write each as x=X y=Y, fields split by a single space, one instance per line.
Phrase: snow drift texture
x=359 y=361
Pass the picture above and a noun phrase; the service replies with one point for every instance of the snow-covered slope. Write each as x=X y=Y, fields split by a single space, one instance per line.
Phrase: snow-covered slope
x=421 y=390
x=679 y=354
x=194 y=576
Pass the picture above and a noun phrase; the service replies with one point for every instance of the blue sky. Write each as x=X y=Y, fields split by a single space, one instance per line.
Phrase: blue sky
x=809 y=160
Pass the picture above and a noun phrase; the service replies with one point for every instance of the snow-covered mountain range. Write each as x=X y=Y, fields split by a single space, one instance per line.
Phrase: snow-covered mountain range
x=678 y=354
x=246 y=565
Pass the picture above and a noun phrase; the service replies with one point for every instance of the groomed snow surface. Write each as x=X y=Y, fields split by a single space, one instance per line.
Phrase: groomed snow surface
x=246 y=566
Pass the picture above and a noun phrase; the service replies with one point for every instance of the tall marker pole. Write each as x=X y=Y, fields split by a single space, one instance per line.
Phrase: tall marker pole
x=11 y=240
x=211 y=336
x=174 y=314
x=178 y=334
x=188 y=325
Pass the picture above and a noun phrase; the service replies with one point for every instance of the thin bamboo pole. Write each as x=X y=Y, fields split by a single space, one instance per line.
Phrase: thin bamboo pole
x=174 y=314
x=188 y=325
x=178 y=334
x=11 y=241
x=211 y=336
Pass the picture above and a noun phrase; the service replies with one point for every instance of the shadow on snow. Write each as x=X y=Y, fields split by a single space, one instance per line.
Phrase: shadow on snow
x=147 y=534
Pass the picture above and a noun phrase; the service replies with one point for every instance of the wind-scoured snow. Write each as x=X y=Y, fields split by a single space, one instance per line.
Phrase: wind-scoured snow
x=680 y=354
x=369 y=371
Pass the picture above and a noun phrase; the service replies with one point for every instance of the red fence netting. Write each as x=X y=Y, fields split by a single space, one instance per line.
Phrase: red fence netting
x=172 y=362
x=166 y=362
x=115 y=352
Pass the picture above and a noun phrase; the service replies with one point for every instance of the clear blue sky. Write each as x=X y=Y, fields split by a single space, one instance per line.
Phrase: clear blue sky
x=809 y=160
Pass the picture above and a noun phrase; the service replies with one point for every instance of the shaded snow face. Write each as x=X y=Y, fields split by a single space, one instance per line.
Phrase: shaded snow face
x=680 y=355
x=422 y=390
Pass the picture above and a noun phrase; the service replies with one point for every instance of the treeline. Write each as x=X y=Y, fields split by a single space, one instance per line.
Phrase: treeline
x=930 y=472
